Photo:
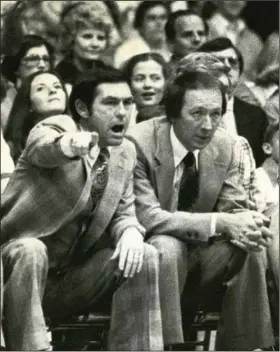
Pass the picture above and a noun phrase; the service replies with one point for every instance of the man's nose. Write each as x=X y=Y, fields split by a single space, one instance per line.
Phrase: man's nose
x=227 y=63
x=207 y=123
x=42 y=64
x=121 y=112
x=196 y=38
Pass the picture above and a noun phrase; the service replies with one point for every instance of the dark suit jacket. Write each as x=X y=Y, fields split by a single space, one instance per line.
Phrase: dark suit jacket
x=219 y=185
x=251 y=123
x=47 y=189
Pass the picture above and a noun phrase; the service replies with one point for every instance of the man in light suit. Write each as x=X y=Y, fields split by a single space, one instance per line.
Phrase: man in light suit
x=185 y=205
x=69 y=232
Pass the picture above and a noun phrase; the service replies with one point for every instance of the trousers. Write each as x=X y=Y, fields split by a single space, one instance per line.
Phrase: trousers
x=31 y=292
x=191 y=275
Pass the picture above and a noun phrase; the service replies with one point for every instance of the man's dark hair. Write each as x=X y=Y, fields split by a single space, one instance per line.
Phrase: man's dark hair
x=170 y=24
x=195 y=80
x=220 y=44
x=143 y=8
x=86 y=87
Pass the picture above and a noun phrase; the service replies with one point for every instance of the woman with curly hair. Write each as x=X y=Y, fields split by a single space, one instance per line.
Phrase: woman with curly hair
x=85 y=36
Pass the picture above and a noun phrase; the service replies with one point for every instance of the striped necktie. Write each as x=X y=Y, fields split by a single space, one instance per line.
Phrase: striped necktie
x=100 y=177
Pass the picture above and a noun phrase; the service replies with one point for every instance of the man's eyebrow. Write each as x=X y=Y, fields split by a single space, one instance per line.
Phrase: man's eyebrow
x=110 y=97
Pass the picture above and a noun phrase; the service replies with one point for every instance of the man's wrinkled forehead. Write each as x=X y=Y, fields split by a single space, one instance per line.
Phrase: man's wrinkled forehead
x=120 y=90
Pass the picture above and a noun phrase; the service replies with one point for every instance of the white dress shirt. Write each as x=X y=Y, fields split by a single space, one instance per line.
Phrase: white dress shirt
x=228 y=120
x=179 y=152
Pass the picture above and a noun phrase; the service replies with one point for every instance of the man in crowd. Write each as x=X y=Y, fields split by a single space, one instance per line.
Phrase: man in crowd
x=241 y=117
x=187 y=193
x=69 y=232
x=150 y=19
x=185 y=31
x=227 y=22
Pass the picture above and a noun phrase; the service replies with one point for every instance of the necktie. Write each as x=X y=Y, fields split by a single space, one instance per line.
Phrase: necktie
x=189 y=184
x=100 y=175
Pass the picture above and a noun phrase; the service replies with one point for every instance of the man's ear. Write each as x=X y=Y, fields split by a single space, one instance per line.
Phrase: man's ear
x=267 y=149
x=81 y=109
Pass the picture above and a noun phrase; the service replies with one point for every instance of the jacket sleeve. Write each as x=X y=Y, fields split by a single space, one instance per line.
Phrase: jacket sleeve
x=43 y=144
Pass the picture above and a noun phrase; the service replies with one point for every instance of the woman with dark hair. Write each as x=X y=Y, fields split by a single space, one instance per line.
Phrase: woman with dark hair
x=147 y=74
x=40 y=96
x=34 y=54
x=150 y=19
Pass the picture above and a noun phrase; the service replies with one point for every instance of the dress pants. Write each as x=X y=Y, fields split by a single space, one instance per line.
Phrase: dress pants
x=135 y=317
x=245 y=322
x=173 y=256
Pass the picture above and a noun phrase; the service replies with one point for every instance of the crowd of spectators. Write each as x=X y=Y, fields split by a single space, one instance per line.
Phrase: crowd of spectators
x=48 y=47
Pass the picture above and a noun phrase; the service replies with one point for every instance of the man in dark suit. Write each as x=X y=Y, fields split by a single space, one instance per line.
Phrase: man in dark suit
x=187 y=193
x=69 y=233
x=242 y=118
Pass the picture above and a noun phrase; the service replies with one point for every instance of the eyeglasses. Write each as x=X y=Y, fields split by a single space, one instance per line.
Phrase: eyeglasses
x=231 y=60
x=34 y=60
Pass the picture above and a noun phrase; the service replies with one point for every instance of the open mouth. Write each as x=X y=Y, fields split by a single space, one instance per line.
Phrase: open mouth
x=148 y=95
x=118 y=128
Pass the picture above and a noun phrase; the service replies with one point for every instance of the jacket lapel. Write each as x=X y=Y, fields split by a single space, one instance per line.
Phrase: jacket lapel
x=211 y=177
x=164 y=170
x=110 y=199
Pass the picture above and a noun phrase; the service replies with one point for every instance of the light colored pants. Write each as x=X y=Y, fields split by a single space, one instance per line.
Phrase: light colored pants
x=135 y=319
x=196 y=273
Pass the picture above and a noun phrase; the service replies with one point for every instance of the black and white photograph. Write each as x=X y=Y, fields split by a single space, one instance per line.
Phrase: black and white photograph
x=139 y=175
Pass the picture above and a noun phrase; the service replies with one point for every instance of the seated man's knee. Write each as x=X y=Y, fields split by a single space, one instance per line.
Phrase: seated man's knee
x=169 y=248
x=151 y=257
x=27 y=247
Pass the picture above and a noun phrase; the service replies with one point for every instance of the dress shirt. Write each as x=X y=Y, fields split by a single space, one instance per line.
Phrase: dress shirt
x=179 y=152
x=228 y=120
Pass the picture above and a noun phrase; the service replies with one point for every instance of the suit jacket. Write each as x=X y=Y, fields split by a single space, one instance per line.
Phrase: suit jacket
x=48 y=189
x=219 y=185
x=251 y=123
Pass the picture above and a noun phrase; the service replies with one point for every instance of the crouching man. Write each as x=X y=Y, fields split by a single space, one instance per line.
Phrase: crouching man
x=69 y=232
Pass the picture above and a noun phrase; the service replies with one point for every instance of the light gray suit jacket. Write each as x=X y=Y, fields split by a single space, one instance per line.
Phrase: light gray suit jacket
x=219 y=186
x=48 y=189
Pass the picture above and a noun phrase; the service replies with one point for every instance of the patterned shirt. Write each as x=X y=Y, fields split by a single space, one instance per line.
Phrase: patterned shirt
x=247 y=172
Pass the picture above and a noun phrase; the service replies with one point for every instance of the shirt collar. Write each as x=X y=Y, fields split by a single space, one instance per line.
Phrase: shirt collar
x=93 y=155
x=230 y=104
x=179 y=151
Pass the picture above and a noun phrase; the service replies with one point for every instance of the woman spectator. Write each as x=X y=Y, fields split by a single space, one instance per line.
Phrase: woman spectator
x=150 y=19
x=147 y=74
x=85 y=36
x=25 y=18
x=41 y=95
x=34 y=54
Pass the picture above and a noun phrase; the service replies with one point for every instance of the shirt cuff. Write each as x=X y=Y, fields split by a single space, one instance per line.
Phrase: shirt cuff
x=65 y=146
x=213 y=225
